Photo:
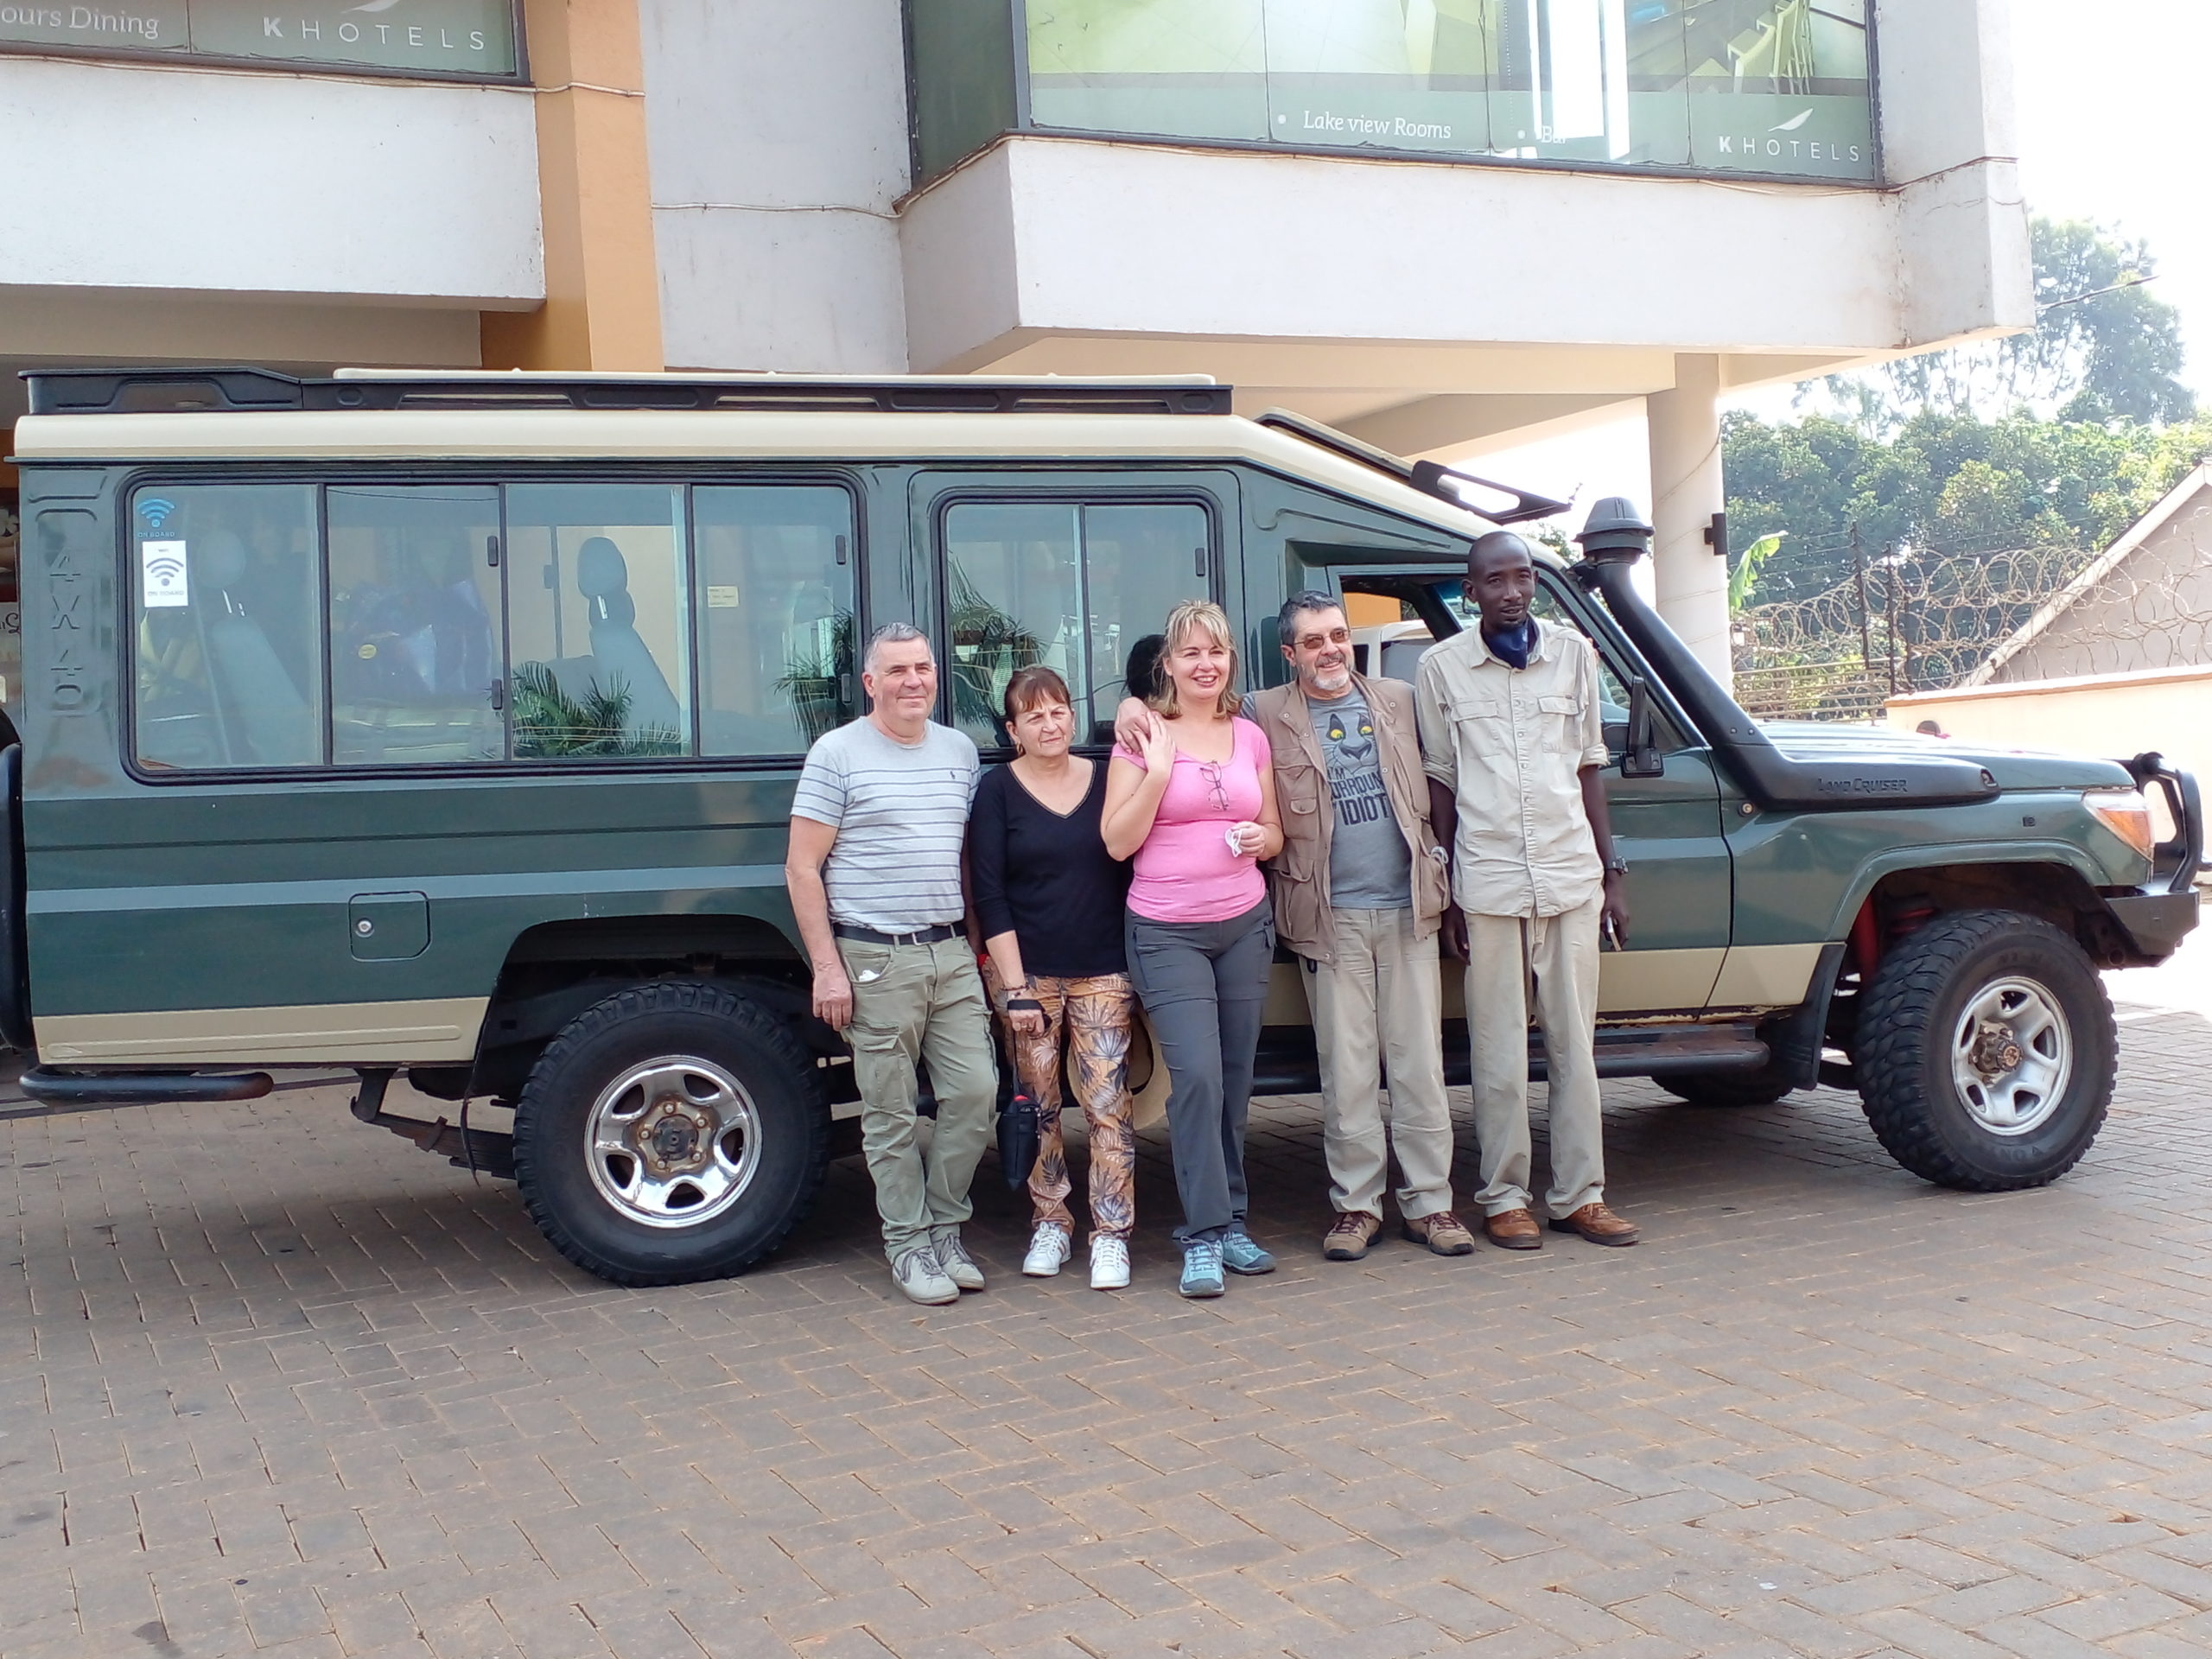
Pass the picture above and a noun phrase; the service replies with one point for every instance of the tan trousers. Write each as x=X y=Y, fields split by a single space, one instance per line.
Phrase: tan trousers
x=1382 y=1002
x=1560 y=954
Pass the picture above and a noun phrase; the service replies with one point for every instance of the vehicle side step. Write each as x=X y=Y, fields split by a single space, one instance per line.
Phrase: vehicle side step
x=1287 y=1064
x=1670 y=1051
x=51 y=1088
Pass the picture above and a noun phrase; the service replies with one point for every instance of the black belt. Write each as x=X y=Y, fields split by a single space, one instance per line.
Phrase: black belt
x=923 y=936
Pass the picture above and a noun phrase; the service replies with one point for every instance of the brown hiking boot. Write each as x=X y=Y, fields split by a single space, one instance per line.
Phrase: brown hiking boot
x=1442 y=1232
x=1513 y=1230
x=1598 y=1225
x=1350 y=1235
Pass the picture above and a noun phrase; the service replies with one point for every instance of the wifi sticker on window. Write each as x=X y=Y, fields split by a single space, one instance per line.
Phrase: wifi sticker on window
x=161 y=564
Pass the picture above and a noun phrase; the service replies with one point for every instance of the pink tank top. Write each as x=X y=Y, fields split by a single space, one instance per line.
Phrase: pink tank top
x=1185 y=871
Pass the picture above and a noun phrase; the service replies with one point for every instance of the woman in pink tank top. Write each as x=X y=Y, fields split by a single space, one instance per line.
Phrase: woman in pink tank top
x=1196 y=806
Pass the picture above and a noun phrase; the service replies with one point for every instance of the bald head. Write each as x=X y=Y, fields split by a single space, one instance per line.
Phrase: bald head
x=1501 y=580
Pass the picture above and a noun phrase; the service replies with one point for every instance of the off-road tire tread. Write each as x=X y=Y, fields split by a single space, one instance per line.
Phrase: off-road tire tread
x=1726 y=1089
x=632 y=1002
x=1894 y=1030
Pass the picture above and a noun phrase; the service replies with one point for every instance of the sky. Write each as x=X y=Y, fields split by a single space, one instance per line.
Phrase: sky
x=2109 y=102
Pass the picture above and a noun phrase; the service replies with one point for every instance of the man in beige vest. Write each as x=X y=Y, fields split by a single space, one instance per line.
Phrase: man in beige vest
x=1359 y=888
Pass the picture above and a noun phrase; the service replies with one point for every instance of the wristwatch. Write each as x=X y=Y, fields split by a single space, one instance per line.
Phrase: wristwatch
x=1617 y=865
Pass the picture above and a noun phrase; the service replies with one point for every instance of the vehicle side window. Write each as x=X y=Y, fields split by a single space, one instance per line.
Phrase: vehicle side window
x=1072 y=585
x=597 y=621
x=1612 y=694
x=773 y=585
x=225 y=625
x=416 y=630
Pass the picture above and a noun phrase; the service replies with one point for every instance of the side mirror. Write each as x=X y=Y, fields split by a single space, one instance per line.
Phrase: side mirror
x=1639 y=756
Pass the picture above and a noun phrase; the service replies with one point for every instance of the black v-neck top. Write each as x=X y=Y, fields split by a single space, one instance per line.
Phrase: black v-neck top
x=1046 y=878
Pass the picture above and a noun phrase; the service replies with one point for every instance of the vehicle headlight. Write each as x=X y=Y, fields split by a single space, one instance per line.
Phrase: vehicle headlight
x=2126 y=813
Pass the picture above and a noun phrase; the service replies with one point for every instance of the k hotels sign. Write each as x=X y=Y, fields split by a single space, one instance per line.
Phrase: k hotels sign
x=471 y=38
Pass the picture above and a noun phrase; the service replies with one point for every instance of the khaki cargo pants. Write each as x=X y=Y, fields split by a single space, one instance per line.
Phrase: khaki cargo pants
x=1560 y=954
x=1380 y=1003
x=911 y=1003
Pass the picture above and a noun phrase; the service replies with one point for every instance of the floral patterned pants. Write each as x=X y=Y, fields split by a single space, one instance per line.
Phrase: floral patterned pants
x=1095 y=1015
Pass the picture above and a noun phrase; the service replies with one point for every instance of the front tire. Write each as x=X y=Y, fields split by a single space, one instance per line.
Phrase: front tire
x=1986 y=1052
x=670 y=1132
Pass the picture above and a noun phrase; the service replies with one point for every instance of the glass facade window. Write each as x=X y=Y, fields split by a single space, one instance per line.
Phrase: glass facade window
x=1766 y=87
x=473 y=39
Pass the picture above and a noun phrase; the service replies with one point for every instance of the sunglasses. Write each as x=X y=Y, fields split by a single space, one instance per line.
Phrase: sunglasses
x=1217 y=789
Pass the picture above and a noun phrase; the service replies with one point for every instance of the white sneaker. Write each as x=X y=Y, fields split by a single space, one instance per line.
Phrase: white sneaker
x=1109 y=1264
x=953 y=1259
x=920 y=1279
x=1048 y=1248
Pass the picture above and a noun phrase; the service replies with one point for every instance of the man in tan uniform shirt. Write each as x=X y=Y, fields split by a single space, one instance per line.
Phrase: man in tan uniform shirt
x=1512 y=742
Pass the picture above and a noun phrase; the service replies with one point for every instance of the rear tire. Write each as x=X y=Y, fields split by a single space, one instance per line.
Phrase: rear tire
x=1986 y=1051
x=670 y=1132
x=1759 y=1087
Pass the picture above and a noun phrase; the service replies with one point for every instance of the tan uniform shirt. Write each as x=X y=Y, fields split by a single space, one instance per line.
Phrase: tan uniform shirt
x=1510 y=744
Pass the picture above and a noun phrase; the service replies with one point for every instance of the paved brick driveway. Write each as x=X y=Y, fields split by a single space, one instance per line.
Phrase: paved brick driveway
x=274 y=1383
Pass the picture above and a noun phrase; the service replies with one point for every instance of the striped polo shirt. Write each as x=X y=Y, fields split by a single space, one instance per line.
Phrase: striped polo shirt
x=900 y=812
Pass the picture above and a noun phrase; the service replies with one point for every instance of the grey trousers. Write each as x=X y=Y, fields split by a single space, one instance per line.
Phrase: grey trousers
x=912 y=1003
x=1560 y=954
x=1204 y=985
x=1381 y=1002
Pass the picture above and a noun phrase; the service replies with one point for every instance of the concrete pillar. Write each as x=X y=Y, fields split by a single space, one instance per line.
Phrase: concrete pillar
x=1690 y=580
x=602 y=280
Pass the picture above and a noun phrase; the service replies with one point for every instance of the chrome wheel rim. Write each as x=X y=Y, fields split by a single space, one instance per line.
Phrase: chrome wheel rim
x=2012 y=1056
x=672 y=1142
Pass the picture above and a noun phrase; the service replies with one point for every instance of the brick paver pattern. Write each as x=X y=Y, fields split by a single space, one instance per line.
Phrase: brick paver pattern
x=274 y=1383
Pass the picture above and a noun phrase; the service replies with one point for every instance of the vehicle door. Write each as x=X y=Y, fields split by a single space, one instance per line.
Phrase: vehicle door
x=1667 y=825
x=1071 y=569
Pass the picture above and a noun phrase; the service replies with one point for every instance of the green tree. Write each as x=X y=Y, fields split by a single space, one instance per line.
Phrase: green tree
x=2104 y=348
x=1945 y=482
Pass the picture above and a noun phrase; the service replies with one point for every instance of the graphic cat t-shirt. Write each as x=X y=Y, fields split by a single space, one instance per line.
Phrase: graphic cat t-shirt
x=1369 y=867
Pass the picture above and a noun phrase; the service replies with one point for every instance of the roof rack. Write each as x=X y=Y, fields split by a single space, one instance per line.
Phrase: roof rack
x=163 y=390
x=1429 y=477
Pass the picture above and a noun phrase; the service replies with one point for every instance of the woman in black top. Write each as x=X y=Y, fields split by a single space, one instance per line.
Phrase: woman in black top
x=1051 y=902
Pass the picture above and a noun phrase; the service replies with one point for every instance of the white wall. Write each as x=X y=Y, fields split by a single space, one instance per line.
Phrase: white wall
x=212 y=182
x=1123 y=237
x=1949 y=143
x=2107 y=715
x=778 y=138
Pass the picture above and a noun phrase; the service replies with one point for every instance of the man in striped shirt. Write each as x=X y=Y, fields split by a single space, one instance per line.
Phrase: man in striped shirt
x=874 y=870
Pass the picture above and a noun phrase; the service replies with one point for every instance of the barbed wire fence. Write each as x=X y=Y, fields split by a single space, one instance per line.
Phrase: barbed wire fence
x=1923 y=618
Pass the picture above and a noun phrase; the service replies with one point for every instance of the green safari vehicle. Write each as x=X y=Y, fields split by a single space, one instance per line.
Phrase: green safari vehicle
x=447 y=724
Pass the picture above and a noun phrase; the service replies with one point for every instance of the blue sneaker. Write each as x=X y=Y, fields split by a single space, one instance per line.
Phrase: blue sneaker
x=1240 y=1255
x=1202 y=1269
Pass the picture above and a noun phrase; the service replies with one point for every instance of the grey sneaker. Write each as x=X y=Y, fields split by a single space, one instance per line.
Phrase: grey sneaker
x=920 y=1279
x=952 y=1256
x=1240 y=1253
x=1201 y=1267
